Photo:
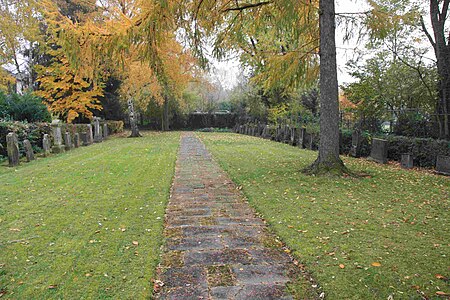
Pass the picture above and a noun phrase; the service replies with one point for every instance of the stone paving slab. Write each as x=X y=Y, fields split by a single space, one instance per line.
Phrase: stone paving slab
x=216 y=247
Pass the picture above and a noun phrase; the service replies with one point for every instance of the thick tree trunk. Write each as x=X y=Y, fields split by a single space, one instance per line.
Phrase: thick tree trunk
x=328 y=161
x=133 y=121
x=441 y=45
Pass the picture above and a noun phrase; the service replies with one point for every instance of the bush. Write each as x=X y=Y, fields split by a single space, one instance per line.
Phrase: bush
x=27 y=107
x=34 y=132
x=115 y=126
x=424 y=151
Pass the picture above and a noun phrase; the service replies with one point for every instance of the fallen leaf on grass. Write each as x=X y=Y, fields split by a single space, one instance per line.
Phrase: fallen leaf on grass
x=376 y=264
x=52 y=287
x=135 y=243
x=341 y=266
x=441 y=293
x=88 y=275
x=439 y=276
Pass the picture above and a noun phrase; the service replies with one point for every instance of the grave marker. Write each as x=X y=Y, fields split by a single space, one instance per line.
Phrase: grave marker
x=407 y=161
x=76 y=140
x=28 y=150
x=98 y=138
x=57 y=138
x=46 y=145
x=12 y=146
x=356 y=144
x=105 y=131
x=443 y=165
x=67 y=141
x=379 y=151
x=301 y=138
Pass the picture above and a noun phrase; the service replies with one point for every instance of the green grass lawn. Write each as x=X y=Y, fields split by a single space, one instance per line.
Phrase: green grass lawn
x=86 y=224
x=370 y=238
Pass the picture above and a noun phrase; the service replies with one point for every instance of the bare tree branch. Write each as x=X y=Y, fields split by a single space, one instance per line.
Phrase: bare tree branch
x=246 y=6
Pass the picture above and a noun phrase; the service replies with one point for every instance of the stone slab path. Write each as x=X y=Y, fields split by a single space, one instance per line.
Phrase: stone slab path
x=216 y=247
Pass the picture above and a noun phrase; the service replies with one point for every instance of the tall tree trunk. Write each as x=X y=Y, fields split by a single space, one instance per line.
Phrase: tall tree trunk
x=165 y=119
x=133 y=120
x=441 y=45
x=328 y=161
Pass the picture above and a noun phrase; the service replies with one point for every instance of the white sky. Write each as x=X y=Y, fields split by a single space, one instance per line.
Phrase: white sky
x=228 y=71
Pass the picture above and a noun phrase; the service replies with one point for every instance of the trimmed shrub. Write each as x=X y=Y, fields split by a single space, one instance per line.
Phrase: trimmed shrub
x=114 y=126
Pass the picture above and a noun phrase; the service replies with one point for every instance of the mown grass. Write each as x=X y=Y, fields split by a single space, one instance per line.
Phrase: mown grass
x=385 y=236
x=86 y=224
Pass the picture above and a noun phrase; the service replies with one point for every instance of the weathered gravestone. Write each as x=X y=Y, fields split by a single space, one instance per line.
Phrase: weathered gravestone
x=12 y=147
x=301 y=138
x=443 y=165
x=407 y=161
x=58 y=147
x=356 y=144
x=29 y=153
x=84 y=136
x=311 y=141
x=293 y=136
x=68 y=141
x=97 y=131
x=76 y=140
x=286 y=134
x=379 y=151
x=46 y=145
x=105 y=131
x=90 y=136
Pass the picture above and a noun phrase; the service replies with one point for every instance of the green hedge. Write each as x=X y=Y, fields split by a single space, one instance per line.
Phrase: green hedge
x=424 y=151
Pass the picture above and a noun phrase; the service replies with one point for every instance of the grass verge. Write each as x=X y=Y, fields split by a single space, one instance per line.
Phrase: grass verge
x=86 y=224
x=385 y=236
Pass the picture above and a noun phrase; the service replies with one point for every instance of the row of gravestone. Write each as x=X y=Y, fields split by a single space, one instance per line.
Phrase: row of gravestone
x=60 y=143
x=299 y=137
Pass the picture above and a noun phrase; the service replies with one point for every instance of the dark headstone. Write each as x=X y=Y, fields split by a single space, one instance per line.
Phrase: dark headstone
x=28 y=150
x=12 y=146
x=46 y=145
x=286 y=134
x=85 y=138
x=293 y=136
x=311 y=141
x=356 y=144
x=301 y=138
x=407 y=161
x=443 y=165
x=76 y=140
x=68 y=141
x=379 y=151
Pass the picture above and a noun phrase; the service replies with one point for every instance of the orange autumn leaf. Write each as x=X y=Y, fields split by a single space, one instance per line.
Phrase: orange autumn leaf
x=376 y=264
x=342 y=266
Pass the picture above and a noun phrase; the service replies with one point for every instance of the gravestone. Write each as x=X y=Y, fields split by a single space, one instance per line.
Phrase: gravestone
x=76 y=140
x=356 y=144
x=98 y=138
x=46 y=145
x=28 y=150
x=264 y=133
x=311 y=141
x=293 y=136
x=84 y=136
x=301 y=138
x=279 y=133
x=90 y=136
x=443 y=165
x=379 y=151
x=287 y=134
x=407 y=161
x=12 y=147
x=58 y=147
x=68 y=141
x=105 y=131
